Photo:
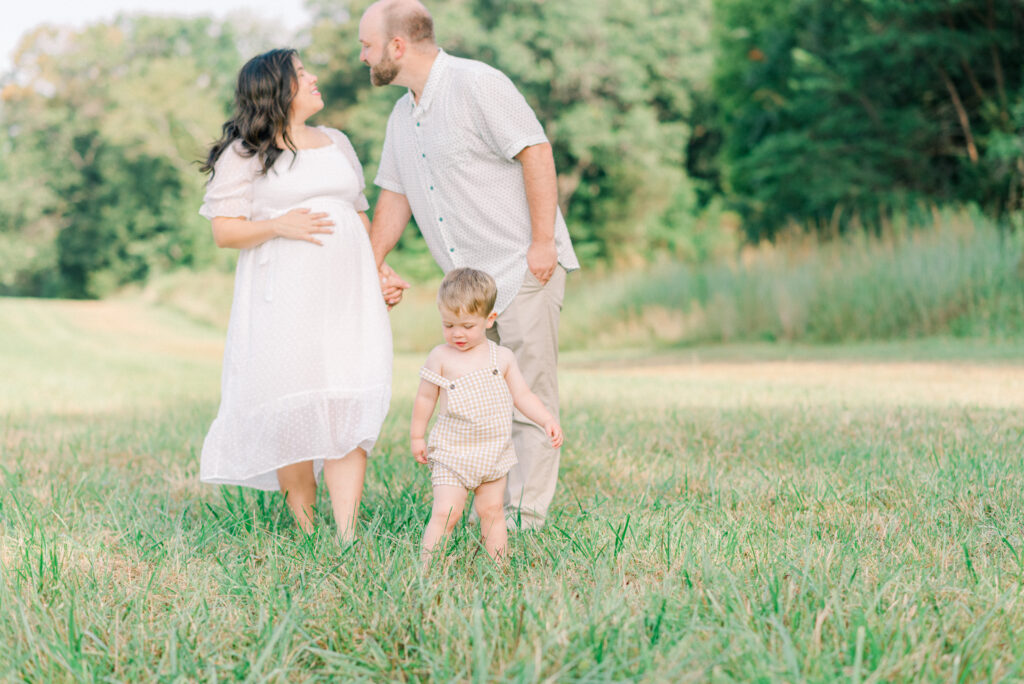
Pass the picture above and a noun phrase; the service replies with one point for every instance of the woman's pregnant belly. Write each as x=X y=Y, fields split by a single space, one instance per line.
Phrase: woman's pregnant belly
x=297 y=271
x=346 y=239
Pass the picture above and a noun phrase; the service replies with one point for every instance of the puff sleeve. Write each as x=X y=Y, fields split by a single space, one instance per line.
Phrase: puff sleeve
x=342 y=141
x=229 y=191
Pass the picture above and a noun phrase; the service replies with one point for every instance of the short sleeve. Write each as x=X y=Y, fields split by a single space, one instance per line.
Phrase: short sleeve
x=387 y=171
x=506 y=121
x=229 y=191
x=345 y=145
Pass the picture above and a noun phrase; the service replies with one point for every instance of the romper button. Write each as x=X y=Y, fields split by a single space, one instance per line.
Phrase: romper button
x=451 y=386
x=495 y=371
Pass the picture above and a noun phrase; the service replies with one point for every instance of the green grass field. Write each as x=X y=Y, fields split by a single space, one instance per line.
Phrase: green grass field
x=737 y=513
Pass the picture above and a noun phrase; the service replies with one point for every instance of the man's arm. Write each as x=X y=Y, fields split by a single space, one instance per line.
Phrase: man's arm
x=390 y=217
x=542 y=197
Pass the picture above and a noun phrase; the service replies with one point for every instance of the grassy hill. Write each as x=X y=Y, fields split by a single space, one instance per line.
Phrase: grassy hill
x=750 y=512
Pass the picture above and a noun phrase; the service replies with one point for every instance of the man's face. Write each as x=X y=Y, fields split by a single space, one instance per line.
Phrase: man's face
x=374 y=52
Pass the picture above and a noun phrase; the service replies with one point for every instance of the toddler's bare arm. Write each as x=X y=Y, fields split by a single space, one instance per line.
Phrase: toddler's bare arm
x=422 y=408
x=529 y=404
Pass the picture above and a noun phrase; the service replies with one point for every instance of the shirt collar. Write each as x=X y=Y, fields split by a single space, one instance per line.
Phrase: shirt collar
x=437 y=71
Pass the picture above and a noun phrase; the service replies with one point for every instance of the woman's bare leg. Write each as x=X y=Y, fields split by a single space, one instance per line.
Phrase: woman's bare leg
x=344 y=478
x=299 y=488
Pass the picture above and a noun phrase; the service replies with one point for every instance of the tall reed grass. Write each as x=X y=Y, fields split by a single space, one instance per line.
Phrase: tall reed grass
x=962 y=276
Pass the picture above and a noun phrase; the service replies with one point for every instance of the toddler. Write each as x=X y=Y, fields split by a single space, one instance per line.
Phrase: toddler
x=478 y=383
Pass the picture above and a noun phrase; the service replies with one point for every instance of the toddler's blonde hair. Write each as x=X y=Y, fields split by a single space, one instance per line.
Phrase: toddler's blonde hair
x=467 y=290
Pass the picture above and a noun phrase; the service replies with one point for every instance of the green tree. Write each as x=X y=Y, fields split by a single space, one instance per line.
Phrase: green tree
x=839 y=112
x=104 y=125
x=613 y=85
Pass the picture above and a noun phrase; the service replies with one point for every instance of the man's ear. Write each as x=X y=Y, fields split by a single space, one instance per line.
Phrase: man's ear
x=399 y=45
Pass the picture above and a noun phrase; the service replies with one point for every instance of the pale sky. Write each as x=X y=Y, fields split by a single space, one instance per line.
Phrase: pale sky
x=20 y=16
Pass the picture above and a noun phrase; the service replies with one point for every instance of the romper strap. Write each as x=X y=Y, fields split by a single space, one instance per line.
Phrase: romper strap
x=432 y=377
x=494 y=352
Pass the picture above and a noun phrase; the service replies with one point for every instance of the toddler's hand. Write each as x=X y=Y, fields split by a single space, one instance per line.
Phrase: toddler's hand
x=419 y=450
x=554 y=431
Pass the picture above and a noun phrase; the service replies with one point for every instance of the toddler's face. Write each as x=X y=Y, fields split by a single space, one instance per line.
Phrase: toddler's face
x=465 y=330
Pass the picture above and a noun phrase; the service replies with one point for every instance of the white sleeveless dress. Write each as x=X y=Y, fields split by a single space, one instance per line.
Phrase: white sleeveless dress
x=307 y=360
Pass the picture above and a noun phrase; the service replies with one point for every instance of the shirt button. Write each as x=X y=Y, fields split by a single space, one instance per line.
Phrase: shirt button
x=440 y=218
x=431 y=187
x=417 y=124
x=451 y=249
x=424 y=155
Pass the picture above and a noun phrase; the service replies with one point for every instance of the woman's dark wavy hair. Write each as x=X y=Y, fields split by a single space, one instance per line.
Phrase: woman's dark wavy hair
x=263 y=96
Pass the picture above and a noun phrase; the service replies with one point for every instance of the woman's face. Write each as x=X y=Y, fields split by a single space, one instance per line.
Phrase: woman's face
x=307 y=100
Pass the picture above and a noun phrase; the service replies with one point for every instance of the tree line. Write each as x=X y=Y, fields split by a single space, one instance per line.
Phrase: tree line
x=666 y=117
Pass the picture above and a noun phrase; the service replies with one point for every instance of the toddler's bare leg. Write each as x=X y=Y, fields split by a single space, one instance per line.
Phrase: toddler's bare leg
x=449 y=501
x=299 y=488
x=489 y=504
x=344 y=478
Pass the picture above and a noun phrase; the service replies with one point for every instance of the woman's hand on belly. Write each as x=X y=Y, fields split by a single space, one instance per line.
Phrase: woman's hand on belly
x=303 y=224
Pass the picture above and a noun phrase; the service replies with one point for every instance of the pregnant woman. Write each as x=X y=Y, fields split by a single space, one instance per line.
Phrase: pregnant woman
x=307 y=362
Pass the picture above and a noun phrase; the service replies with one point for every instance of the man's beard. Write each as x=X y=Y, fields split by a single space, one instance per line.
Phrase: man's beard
x=384 y=72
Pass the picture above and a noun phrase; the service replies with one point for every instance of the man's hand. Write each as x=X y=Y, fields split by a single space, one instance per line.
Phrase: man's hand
x=541 y=183
x=541 y=259
x=392 y=286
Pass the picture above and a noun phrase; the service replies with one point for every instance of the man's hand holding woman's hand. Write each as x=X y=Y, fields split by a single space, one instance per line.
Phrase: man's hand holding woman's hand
x=302 y=224
x=392 y=286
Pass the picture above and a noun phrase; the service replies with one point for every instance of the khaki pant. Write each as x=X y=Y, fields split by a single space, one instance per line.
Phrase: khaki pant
x=529 y=327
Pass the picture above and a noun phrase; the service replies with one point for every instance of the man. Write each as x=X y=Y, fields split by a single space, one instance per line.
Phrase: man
x=465 y=154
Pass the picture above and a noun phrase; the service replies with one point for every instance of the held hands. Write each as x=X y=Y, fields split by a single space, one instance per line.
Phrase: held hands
x=419 y=449
x=302 y=224
x=541 y=258
x=554 y=431
x=392 y=286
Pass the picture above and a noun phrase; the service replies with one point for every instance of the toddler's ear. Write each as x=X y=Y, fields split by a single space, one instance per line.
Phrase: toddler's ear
x=491 y=317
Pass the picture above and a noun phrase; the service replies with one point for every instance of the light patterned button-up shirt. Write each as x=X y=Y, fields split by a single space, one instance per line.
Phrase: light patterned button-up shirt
x=452 y=156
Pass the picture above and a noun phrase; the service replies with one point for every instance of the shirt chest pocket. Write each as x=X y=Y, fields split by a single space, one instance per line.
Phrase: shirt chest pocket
x=443 y=143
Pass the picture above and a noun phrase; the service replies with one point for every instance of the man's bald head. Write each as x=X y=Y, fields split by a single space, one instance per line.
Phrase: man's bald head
x=406 y=18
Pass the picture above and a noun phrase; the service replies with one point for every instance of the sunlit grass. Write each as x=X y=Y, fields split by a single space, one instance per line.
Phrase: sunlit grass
x=725 y=513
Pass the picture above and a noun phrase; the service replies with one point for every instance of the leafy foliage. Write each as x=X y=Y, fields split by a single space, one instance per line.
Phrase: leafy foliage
x=102 y=126
x=667 y=118
x=612 y=84
x=833 y=111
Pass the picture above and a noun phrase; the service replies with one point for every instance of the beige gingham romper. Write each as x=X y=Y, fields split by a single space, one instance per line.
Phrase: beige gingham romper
x=471 y=442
